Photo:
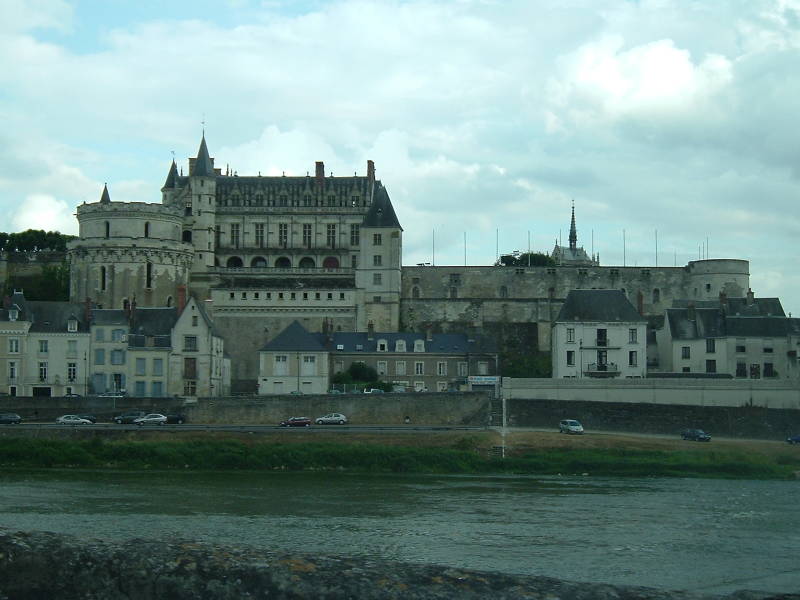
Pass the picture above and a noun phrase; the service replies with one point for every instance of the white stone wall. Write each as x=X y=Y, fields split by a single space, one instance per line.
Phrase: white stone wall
x=585 y=348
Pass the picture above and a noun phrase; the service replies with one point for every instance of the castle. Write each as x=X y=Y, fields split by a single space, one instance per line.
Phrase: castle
x=265 y=251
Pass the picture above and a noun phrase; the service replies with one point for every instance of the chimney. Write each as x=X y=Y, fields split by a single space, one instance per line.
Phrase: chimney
x=690 y=314
x=181 y=299
x=320 y=173
x=750 y=297
x=370 y=171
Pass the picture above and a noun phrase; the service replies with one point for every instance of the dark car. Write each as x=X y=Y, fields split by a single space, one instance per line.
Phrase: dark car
x=10 y=419
x=178 y=418
x=128 y=417
x=795 y=439
x=695 y=435
x=296 y=422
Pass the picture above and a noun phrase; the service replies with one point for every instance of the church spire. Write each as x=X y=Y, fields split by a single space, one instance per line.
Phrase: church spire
x=105 y=198
x=203 y=166
x=573 y=233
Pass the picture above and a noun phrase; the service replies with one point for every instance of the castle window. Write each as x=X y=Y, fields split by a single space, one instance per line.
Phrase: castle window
x=108 y=229
x=330 y=262
x=148 y=275
x=354 y=200
x=400 y=346
x=258 y=262
x=283 y=235
x=306 y=200
x=187 y=236
x=147 y=229
x=377 y=279
x=283 y=262
x=377 y=239
x=307 y=235
x=102 y=278
x=260 y=235
x=234 y=262
x=307 y=263
x=503 y=291
x=355 y=235
x=415 y=292
x=419 y=345
x=656 y=296
x=234 y=235
x=454 y=292
x=377 y=260
x=331 y=235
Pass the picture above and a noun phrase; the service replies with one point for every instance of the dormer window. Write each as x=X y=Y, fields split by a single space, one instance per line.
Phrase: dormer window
x=383 y=346
x=72 y=325
x=400 y=346
x=419 y=345
x=13 y=313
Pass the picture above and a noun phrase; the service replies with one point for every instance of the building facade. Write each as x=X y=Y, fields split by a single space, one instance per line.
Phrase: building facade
x=598 y=333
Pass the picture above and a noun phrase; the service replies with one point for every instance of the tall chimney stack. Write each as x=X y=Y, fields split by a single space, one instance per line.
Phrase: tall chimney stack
x=320 y=173
x=181 y=299
x=370 y=171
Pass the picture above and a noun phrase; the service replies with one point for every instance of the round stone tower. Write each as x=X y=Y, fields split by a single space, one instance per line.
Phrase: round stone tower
x=128 y=251
x=708 y=278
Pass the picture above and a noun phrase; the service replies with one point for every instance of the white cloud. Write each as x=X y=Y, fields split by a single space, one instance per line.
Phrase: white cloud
x=40 y=211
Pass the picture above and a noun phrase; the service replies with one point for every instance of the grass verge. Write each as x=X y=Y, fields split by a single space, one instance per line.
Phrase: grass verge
x=464 y=456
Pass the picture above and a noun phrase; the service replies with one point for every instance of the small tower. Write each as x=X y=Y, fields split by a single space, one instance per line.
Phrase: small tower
x=200 y=219
x=168 y=189
x=378 y=271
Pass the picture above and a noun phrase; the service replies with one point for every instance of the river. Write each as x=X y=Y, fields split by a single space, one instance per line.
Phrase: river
x=710 y=536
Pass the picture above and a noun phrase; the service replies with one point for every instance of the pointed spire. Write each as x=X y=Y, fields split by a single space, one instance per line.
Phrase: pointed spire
x=105 y=198
x=203 y=165
x=172 y=175
x=573 y=233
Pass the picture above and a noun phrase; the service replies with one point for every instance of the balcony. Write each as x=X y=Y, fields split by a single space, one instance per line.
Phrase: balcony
x=601 y=370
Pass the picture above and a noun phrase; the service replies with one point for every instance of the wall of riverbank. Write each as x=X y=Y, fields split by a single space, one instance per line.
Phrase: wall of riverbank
x=754 y=422
x=431 y=408
x=674 y=392
x=94 y=570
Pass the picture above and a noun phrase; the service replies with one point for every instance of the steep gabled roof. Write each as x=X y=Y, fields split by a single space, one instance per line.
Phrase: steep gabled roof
x=203 y=165
x=598 y=306
x=172 y=176
x=154 y=321
x=105 y=198
x=295 y=338
x=707 y=323
x=381 y=213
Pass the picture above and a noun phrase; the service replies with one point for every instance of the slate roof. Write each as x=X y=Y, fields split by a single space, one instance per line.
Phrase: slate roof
x=154 y=321
x=46 y=316
x=759 y=307
x=712 y=322
x=381 y=213
x=295 y=338
x=598 y=306
x=105 y=198
x=203 y=165
x=172 y=176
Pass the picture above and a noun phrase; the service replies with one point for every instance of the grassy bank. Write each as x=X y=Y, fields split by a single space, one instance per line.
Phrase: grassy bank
x=463 y=456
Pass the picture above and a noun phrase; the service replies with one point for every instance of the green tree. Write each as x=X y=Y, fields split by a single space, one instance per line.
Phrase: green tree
x=526 y=364
x=533 y=259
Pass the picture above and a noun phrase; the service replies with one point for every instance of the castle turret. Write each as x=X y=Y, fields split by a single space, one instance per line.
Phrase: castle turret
x=378 y=273
x=168 y=189
x=200 y=209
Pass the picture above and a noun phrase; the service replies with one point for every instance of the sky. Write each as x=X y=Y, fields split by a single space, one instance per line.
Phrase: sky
x=673 y=126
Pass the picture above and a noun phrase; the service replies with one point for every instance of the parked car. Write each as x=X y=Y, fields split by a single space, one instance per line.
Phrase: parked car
x=295 y=393
x=88 y=417
x=151 y=419
x=795 y=439
x=178 y=418
x=335 y=391
x=72 y=395
x=10 y=419
x=373 y=391
x=296 y=422
x=695 y=435
x=331 y=419
x=117 y=395
x=72 y=420
x=128 y=417
x=570 y=426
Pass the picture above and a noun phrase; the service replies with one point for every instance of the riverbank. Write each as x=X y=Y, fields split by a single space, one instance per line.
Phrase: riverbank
x=530 y=453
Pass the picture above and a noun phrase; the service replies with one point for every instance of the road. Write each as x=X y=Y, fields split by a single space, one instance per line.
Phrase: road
x=250 y=428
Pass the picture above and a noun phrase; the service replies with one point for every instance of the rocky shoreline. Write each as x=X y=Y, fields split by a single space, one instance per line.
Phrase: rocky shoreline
x=44 y=565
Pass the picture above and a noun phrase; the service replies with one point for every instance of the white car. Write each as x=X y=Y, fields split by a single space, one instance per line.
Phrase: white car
x=72 y=420
x=570 y=426
x=332 y=418
x=151 y=419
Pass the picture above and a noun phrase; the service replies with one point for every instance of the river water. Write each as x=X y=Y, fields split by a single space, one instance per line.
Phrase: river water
x=710 y=536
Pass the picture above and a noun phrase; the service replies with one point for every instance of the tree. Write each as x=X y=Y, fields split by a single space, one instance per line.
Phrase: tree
x=528 y=364
x=34 y=239
x=533 y=259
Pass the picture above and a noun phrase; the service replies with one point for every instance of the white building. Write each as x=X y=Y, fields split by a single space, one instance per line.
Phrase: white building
x=598 y=333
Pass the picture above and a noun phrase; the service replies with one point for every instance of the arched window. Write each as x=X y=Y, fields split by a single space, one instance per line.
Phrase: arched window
x=148 y=283
x=108 y=229
x=503 y=291
x=187 y=235
x=330 y=262
x=283 y=262
x=234 y=261
x=307 y=263
x=656 y=296
x=102 y=278
x=147 y=229
x=415 y=292
x=258 y=262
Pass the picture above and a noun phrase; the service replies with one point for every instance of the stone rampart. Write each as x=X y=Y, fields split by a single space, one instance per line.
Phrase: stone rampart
x=44 y=565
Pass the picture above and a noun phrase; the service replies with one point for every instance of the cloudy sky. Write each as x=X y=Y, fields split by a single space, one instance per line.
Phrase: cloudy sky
x=485 y=118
